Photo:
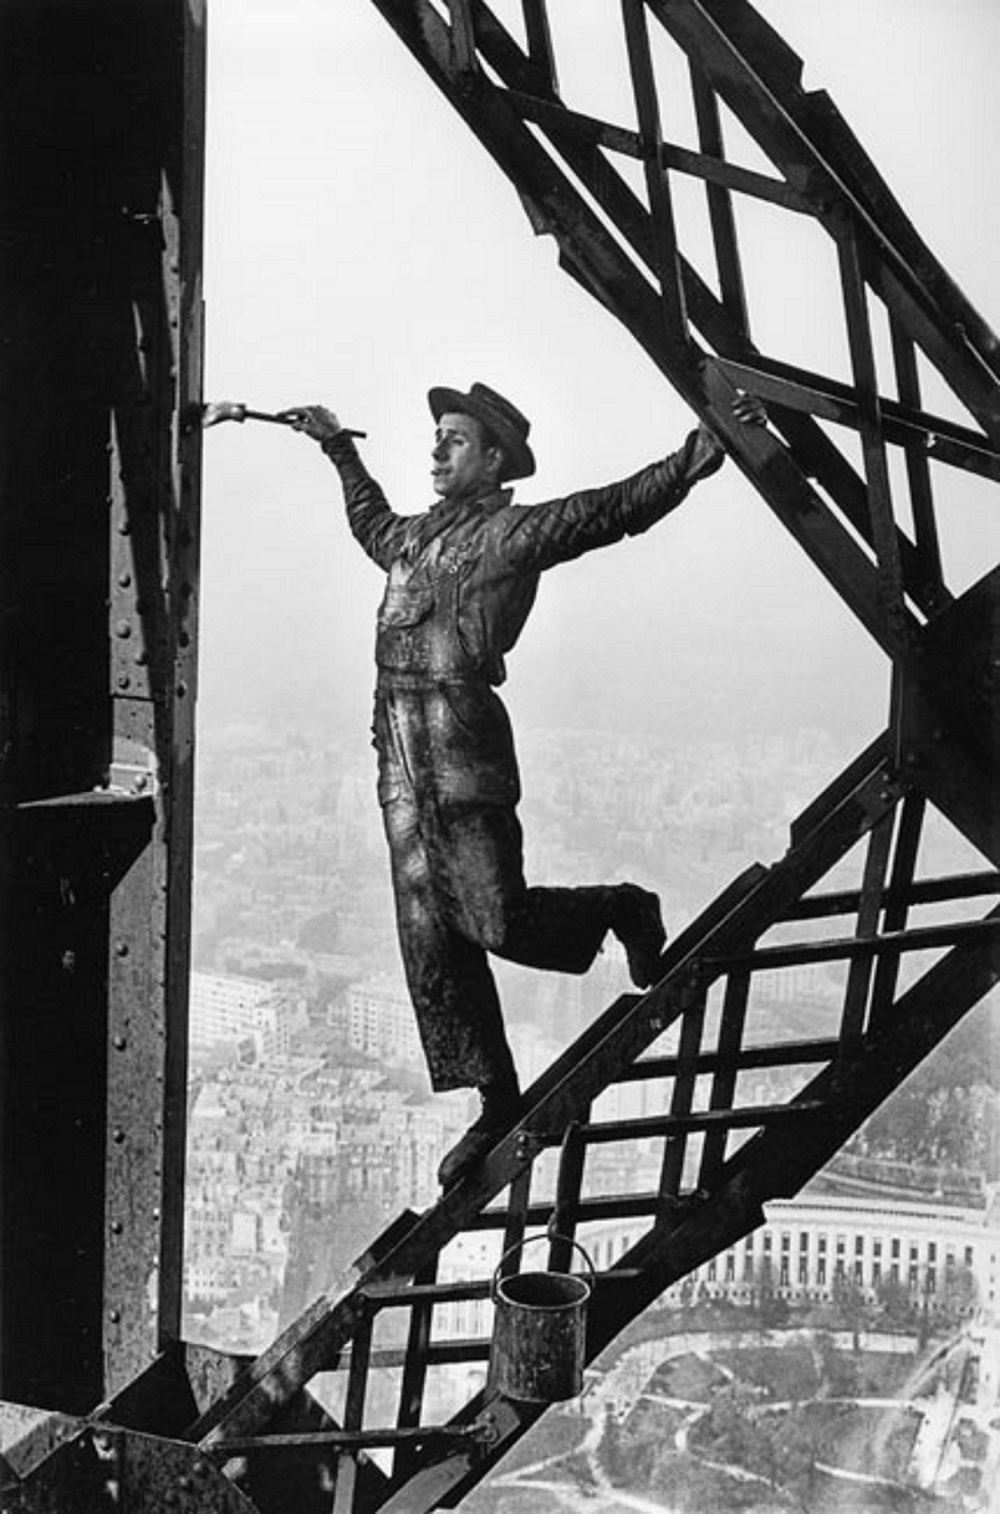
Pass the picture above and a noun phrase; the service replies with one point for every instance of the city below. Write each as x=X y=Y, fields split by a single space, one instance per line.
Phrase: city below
x=852 y=1339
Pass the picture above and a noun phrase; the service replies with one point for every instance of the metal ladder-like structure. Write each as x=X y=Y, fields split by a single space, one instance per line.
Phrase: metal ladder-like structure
x=914 y=951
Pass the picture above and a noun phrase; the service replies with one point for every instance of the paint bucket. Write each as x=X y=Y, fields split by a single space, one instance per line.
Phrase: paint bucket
x=539 y=1331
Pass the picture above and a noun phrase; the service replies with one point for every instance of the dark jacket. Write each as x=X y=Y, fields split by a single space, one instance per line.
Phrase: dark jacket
x=462 y=578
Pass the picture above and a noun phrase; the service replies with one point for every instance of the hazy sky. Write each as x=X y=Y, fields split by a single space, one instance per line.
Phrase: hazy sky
x=361 y=246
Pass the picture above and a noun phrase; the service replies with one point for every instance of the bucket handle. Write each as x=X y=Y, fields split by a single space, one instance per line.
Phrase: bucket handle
x=551 y=1238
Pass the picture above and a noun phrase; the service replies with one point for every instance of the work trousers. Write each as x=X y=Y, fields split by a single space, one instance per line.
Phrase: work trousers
x=458 y=878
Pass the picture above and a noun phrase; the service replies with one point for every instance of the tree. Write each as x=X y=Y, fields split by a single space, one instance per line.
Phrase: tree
x=774 y=1311
x=839 y=1372
x=958 y=1293
x=851 y=1306
x=610 y=1452
x=727 y=1431
x=799 y=1447
x=895 y=1303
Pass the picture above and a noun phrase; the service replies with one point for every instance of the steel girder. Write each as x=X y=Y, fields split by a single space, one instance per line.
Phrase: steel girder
x=101 y=323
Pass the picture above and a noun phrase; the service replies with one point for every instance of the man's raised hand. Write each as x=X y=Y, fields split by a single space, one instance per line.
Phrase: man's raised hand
x=749 y=409
x=313 y=420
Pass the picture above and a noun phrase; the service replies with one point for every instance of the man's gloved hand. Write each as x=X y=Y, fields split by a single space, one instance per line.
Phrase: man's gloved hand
x=314 y=420
x=708 y=452
x=749 y=409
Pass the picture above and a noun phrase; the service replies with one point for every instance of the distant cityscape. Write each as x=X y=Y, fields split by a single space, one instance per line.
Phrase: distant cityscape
x=309 y=1099
x=312 y=1124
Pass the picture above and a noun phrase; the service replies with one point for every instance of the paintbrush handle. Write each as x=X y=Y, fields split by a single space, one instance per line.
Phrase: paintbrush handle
x=283 y=420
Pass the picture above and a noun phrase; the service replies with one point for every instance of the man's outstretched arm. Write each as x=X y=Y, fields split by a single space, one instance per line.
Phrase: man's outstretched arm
x=375 y=525
x=540 y=536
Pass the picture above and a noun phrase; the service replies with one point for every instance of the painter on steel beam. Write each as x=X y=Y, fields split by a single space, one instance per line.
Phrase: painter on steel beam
x=461 y=578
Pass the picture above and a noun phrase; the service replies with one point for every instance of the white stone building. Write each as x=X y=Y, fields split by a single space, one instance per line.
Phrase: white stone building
x=813 y=1244
x=226 y=1007
x=380 y=1021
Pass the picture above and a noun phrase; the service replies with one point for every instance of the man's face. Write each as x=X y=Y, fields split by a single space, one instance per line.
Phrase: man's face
x=461 y=463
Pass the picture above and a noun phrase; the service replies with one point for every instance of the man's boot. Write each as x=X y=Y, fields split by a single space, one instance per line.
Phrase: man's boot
x=638 y=924
x=501 y=1108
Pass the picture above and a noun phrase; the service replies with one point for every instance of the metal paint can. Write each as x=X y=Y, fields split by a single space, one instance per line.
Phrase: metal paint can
x=539 y=1331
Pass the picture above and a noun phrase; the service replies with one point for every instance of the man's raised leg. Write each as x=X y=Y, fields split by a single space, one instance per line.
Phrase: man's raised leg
x=555 y=929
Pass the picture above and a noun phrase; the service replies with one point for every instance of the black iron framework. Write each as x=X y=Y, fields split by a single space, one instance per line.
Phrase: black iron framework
x=914 y=951
x=101 y=332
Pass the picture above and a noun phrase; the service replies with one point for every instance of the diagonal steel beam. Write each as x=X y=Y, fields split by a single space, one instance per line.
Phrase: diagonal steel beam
x=769 y=1166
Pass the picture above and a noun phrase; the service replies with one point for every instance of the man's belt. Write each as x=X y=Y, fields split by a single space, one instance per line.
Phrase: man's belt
x=393 y=678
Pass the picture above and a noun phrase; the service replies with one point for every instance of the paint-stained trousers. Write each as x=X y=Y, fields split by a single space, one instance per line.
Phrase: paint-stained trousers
x=460 y=893
x=458 y=877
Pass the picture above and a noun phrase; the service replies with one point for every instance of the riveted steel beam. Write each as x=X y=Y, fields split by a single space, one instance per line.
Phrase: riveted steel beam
x=101 y=313
x=53 y=1464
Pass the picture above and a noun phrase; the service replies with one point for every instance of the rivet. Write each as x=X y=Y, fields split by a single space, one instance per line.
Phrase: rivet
x=118 y=1135
x=120 y=1043
x=141 y=783
x=121 y=948
x=123 y=680
x=140 y=658
x=181 y=690
x=124 y=579
x=123 y=525
x=117 y=1227
x=114 y=1315
x=123 y=629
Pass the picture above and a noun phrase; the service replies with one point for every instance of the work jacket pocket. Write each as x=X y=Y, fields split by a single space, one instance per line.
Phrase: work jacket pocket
x=403 y=606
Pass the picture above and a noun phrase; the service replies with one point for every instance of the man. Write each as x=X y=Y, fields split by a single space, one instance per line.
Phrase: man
x=461 y=580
